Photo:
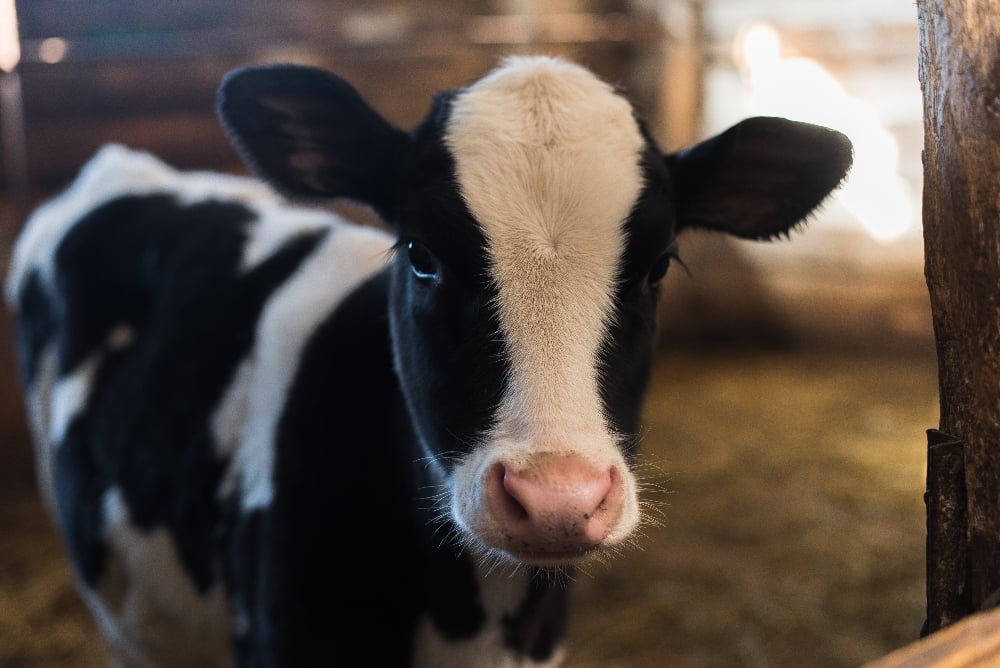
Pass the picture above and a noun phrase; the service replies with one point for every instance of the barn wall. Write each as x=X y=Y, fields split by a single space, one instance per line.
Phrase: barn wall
x=852 y=278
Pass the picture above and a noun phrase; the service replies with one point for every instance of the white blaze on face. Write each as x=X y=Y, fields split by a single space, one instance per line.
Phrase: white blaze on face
x=548 y=161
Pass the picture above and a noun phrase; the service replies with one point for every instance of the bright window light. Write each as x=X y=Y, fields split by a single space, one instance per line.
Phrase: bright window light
x=10 y=46
x=802 y=89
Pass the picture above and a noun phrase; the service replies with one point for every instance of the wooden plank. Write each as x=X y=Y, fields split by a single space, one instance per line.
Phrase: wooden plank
x=95 y=92
x=186 y=140
x=972 y=643
x=72 y=18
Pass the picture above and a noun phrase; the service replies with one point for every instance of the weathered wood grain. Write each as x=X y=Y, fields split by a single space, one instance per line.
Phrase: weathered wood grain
x=960 y=76
x=972 y=643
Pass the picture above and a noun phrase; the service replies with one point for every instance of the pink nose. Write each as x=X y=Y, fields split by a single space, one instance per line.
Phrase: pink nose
x=555 y=506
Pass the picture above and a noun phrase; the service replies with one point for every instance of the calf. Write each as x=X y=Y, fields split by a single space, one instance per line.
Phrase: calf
x=271 y=437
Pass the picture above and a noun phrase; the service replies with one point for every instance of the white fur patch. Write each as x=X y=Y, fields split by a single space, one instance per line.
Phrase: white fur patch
x=230 y=415
x=53 y=403
x=71 y=392
x=154 y=620
x=276 y=225
x=256 y=399
x=38 y=399
x=548 y=161
x=116 y=171
x=69 y=398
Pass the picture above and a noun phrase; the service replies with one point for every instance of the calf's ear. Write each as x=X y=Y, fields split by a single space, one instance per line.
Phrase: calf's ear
x=759 y=178
x=311 y=134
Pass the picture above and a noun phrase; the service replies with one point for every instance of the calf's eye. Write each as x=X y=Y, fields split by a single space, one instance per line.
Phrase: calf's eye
x=659 y=269
x=425 y=265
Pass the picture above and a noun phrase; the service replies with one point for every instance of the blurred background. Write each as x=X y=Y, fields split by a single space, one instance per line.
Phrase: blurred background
x=784 y=447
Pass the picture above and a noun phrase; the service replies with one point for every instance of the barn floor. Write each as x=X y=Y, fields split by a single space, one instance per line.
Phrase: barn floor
x=789 y=526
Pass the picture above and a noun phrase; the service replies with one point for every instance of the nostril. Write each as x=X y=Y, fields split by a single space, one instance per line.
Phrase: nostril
x=508 y=484
x=500 y=491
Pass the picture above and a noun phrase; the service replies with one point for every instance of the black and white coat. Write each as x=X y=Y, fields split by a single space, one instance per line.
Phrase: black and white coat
x=274 y=438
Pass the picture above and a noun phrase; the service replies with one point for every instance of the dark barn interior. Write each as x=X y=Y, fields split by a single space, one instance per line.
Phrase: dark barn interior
x=784 y=438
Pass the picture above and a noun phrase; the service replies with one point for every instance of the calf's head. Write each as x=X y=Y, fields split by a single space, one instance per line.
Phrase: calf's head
x=536 y=219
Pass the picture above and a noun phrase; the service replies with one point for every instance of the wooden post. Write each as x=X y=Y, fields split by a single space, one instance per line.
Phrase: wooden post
x=682 y=80
x=960 y=77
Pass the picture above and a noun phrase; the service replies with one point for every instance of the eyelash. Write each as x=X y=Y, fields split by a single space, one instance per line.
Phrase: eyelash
x=662 y=264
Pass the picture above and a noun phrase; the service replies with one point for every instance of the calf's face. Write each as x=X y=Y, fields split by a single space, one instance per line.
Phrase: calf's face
x=536 y=219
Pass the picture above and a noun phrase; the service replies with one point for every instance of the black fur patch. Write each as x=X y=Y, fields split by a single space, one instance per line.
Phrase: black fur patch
x=170 y=273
